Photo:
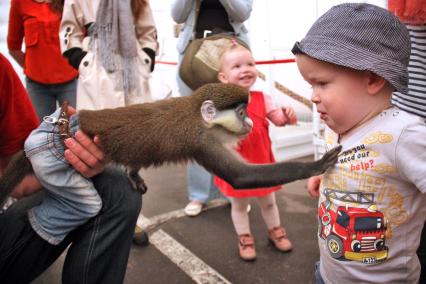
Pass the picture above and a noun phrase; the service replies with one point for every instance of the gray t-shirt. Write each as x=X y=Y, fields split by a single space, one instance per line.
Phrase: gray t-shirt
x=371 y=206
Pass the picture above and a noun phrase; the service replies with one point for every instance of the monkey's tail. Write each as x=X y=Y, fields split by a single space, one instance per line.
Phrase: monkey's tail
x=18 y=167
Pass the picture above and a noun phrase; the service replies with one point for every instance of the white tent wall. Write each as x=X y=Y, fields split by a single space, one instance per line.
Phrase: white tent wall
x=274 y=26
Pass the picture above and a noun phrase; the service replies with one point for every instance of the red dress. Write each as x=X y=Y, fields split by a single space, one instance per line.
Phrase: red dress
x=255 y=148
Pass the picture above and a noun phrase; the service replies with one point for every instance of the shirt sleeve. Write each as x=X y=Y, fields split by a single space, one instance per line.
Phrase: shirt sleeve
x=238 y=10
x=410 y=155
x=146 y=32
x=17 y=115
x=15 y=33
x=181 y=9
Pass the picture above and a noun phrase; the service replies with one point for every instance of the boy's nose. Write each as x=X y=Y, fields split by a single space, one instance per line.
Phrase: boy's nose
x=315 y=98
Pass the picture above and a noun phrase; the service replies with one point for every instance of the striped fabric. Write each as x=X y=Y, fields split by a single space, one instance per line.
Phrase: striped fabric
x=415 y=101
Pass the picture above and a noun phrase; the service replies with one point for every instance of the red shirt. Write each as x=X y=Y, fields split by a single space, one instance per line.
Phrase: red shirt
x=17 y=115
x=255 y=148
x=39 y=25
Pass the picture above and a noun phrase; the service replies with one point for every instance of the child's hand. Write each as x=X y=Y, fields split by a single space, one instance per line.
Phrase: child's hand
x=290 y=114
x=313 y=185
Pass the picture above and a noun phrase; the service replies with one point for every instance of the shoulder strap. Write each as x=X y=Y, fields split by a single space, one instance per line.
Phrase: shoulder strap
x=197 y=12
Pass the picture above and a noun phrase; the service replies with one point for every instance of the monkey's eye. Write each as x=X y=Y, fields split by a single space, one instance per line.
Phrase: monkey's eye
x=241 y=110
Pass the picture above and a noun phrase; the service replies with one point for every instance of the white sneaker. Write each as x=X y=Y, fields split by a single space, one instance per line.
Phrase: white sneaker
x=193 y=208
x=248 y=208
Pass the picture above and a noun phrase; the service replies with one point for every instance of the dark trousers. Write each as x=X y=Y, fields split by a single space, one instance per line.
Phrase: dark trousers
x=98 y=251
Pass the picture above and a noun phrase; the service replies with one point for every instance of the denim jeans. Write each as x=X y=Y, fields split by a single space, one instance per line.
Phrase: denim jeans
x=45 y=97
x=200 y=182
x=318 y=277
x=68 y=195
x=98 y=251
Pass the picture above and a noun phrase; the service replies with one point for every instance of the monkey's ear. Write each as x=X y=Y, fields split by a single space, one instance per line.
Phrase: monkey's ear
x=208 y=111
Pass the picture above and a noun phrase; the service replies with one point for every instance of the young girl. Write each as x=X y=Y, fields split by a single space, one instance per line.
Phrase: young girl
x=238 y=67
x=112 y=43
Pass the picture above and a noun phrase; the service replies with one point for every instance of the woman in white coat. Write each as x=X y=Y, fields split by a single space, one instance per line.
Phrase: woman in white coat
x=202 y=18
x=112 y=43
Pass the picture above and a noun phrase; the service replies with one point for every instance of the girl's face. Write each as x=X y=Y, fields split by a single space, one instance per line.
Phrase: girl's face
x=340 y=94
x=238 y=67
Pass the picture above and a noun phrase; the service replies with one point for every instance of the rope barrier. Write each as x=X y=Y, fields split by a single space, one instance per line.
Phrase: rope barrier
x=280 y=87
x=265 y=62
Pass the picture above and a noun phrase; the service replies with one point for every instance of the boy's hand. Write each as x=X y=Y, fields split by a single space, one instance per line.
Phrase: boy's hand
x=313 y=185
x=290 y=114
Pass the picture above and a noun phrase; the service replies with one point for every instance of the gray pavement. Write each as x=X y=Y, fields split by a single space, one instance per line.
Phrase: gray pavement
x=203 y=249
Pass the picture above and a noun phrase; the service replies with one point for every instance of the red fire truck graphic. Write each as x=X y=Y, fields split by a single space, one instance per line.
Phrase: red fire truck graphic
x=352 y=233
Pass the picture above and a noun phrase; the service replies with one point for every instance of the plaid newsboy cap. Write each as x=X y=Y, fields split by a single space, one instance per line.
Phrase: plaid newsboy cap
x=363 y=37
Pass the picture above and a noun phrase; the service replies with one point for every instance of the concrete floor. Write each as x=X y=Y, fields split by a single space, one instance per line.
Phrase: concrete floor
x=211 y=239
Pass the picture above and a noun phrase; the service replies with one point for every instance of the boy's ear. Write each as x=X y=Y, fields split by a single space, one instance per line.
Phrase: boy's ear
x=375 y=83
x=222 y=78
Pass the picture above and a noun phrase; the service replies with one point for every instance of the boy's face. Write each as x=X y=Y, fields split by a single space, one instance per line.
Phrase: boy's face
x=340 y=94
x=238 y=67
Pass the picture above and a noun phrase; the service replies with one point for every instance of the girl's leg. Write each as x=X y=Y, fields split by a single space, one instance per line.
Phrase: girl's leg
x=276 y=233
x=239 y=215
x=240 y=220
x=269 y=209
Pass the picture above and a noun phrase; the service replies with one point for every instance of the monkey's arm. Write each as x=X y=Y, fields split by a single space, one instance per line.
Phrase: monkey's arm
x=241 y=175
x=19 y=166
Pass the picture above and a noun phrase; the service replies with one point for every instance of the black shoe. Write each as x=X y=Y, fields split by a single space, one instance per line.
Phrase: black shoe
x=140 y=238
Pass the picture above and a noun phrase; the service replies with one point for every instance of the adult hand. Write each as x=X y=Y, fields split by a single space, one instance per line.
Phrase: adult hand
x=83 y=153
x=313 y=185
x=290 y=114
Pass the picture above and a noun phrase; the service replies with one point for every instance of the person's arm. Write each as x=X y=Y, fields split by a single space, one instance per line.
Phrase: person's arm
x=238 y=10
x=71 y=33
x=15 y=33
x=146 y=33
x=181 y=9
x=313 y=185
x=279 y=116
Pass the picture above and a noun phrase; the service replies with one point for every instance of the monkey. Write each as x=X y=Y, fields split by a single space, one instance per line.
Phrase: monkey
x=202 y=127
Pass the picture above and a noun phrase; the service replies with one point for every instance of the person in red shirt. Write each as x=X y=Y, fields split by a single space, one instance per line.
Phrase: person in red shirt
x=92 y=245
x=49 y=77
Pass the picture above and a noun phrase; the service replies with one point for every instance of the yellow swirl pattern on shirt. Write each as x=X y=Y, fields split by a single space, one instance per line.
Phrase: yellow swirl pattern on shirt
x=378 y=137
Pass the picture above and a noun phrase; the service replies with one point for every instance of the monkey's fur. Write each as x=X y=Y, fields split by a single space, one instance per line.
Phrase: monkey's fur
x=173 y=130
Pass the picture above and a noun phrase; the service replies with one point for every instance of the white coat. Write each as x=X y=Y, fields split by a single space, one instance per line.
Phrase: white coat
x=96 y=88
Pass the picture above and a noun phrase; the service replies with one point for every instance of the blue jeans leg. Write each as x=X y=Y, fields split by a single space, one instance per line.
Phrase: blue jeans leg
x=99 y=249
x=318 y=277
x=201 y=186
x=45 y=97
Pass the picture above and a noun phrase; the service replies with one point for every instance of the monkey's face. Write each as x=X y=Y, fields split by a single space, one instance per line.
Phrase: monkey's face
x=234 y=120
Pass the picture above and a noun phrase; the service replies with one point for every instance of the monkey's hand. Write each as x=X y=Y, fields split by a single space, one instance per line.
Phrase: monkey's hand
x=328 y=160
x=137 y=181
